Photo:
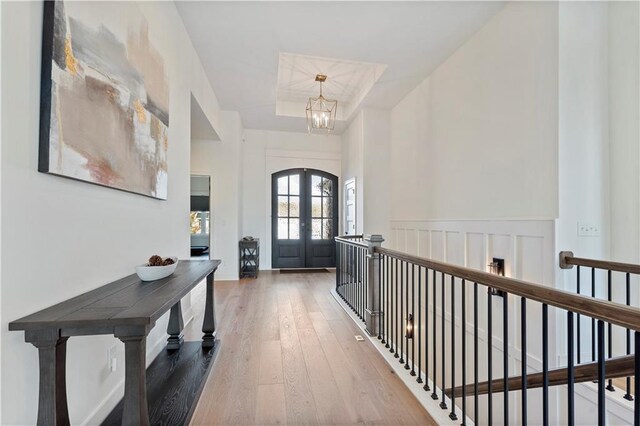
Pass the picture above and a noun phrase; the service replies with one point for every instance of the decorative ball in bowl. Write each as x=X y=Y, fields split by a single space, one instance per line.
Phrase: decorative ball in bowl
x=157 y=268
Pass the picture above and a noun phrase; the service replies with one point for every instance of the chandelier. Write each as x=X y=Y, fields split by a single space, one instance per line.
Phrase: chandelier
x=321 y=112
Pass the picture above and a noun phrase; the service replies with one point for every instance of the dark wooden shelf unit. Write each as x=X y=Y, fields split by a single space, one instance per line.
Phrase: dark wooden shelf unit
x=249 y=258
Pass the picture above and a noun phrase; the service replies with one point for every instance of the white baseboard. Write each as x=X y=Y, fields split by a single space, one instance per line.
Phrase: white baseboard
x=105 y=407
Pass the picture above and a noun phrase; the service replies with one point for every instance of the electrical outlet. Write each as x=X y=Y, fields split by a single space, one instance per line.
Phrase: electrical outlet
x=112 y=356
x=588 y=229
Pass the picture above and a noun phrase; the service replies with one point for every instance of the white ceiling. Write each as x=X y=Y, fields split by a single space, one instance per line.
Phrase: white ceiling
x=239 y=44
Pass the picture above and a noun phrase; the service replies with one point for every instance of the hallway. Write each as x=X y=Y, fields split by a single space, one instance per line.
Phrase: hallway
x=288 y=355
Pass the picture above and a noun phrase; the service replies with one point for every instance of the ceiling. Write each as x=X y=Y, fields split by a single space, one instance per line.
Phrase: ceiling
x=240 y=46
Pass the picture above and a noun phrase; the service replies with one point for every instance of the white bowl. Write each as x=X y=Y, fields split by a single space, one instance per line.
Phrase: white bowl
x=152 y=273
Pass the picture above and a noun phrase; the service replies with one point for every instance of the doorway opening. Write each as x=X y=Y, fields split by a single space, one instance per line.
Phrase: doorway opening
x=200 y=216
x=304 y=218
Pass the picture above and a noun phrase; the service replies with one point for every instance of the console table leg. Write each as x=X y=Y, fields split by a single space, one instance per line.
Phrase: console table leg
x=52 y=353
x=136 y=411
x=175 y=327
x=209 y=323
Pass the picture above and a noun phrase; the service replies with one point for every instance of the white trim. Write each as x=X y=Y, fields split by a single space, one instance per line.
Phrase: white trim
x=344 y=204
x=289 y=153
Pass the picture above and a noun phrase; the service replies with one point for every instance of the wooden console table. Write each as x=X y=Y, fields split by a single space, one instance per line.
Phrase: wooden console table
x=127 y=308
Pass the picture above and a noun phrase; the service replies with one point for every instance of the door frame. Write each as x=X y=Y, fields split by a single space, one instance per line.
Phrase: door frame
x=355 y=203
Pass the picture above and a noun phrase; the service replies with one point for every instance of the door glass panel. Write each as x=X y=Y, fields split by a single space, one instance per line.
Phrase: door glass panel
x=316 y=207
x=327 y=207
x=283 y=185
x=294 y=229
x=316 y=185
x=327 y=187
x=327 y=229
x=316 y=229
x=283 y=207
x=294 y=206
x=294 y=184
x=283 y=229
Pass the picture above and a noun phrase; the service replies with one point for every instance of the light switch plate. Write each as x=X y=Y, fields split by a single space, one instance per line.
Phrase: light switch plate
x=588 y=229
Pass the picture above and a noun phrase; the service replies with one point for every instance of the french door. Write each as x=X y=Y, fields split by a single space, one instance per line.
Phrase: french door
x=304 y=218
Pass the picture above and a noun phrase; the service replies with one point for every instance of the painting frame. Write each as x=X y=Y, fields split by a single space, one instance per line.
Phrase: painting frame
x=47 y=104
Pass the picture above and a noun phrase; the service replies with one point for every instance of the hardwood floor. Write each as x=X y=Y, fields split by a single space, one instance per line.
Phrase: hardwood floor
x=288 y=356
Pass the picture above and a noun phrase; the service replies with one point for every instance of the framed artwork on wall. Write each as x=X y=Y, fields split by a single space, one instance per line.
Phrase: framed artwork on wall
x=104 y=101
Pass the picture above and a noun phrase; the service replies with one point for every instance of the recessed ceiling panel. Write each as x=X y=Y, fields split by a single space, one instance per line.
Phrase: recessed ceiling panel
x=348 y=82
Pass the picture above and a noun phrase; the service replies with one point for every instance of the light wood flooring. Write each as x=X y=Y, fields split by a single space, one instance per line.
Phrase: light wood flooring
x=288 y=355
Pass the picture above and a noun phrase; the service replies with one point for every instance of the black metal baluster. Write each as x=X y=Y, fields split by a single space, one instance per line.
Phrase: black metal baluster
x=523 y=357
x=352 y=279
x=545 y=365
x=387 y=304
x=347 y=289
x=628 y=395
x=464 y=351
x=419 y=379
x=413 y=329
x=610 y=387
x=394 y=333
x=602 y=412
x=475 y=354
x=402 y=319
x=380 y=298
x=348 y=271
x=355 y=281
x=570 y=372
x=434 y=395
x=578 y=318
x=636 y=380
x=338 y=267
x=505 y=354
x=443 y=403
x=426 y=330
x=452 y=415
x=593 y=321
x=489 y=357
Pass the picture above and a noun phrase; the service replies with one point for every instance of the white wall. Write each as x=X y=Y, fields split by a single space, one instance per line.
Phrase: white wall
x=221 y=160
x=353 y=165
x=81 y=236
x=266 y=152
x=365 y=154
x=624 y=129
x=376 y=140
x=583 y=127
x=478 y=138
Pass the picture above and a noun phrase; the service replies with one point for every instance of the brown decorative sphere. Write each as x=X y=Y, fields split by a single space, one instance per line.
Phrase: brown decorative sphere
x=155 y=260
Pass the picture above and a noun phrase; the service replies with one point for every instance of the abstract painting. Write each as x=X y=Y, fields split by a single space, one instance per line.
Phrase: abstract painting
x=104 y=114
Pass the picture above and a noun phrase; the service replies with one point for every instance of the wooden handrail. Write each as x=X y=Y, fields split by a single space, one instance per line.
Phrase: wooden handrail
x=615 y=368
x=611 y=312
x=348 y=239
x=568 y=260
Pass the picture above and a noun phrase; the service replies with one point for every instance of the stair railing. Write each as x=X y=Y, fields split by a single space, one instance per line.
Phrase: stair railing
x=471 y=337
x=604 y=280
